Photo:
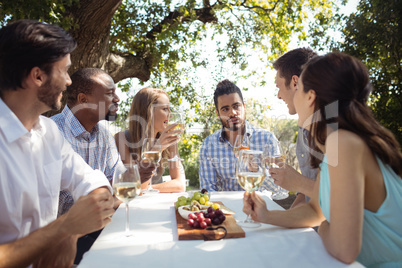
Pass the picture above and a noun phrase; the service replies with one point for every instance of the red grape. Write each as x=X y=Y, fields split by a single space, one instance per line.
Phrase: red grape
x=196 y=224
x=216 y=221
x=203 y=224
x=204 y=219
x=218 y=212
x=200 y=218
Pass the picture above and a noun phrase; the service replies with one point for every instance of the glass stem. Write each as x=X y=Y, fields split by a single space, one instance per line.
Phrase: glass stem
x=176 y=147
x=127 y=220
x=247 y=218
x=150 y=180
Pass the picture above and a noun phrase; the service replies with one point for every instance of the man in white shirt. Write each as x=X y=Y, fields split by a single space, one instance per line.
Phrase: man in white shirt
x=289 y=67
x=36 y=162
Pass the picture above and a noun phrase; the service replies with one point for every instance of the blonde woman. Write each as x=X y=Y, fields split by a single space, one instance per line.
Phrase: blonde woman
x=148 y=118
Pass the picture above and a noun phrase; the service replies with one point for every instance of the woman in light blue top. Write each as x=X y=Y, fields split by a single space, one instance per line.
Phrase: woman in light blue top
x=357 y=200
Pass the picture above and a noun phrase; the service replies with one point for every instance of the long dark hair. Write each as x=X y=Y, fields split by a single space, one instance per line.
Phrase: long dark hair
x=342 y=80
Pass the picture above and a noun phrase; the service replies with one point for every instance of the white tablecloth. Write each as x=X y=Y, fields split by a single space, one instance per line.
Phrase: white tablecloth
x=155 y=242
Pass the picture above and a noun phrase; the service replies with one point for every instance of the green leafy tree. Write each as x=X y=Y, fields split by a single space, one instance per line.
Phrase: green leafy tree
x=156 y=41
x=147 y=39
x=374 y=35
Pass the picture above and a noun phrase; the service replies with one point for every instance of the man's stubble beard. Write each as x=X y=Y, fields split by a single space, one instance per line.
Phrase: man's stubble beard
x=235 y=127
x=49 y=95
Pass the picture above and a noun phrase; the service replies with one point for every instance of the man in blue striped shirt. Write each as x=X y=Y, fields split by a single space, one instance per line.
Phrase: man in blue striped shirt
x=90 y=98
x=217 y=160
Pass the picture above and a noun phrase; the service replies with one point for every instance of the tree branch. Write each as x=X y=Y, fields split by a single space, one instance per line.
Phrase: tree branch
x=204 y=15
x=124 y=65
x=267 y=10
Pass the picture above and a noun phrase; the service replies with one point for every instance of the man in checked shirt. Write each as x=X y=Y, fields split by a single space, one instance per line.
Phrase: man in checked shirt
x=217 y=160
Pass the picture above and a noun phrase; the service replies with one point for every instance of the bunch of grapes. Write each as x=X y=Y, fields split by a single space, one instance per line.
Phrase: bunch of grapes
x=204 y=219
x=202 y=198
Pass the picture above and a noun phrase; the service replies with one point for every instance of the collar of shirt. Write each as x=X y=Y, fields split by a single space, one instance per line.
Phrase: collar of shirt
x=76 y=128
x=248 y=131
x=12 y=127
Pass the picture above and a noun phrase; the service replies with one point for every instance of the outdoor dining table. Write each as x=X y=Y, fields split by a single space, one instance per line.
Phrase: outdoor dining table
x=155 y=242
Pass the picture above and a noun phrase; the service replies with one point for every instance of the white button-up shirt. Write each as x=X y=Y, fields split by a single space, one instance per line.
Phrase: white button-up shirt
x=34 y=166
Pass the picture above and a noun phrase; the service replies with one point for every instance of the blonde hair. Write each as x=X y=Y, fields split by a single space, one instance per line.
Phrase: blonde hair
x=140 y=119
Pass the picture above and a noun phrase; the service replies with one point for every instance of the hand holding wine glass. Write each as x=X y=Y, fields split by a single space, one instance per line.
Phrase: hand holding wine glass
x=275 y=159
x=242 y=142
x=250 y=172
x=151 y=154
x=126 y=186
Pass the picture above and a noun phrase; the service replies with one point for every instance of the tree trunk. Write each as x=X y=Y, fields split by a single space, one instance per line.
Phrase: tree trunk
x=93 y=35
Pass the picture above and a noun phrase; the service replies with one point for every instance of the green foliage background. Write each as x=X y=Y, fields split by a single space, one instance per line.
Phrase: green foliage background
x=374 y=35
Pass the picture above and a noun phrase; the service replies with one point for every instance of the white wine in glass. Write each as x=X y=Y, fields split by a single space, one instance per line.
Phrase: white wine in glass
x=126 y=186
x=151 y=153
x=250 y=181
x=152 y=157
x=178 y=119
x=250 y=172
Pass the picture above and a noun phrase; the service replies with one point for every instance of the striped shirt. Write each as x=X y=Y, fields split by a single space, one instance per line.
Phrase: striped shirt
x=97 y=148
x=218 y=163
x=303 y=156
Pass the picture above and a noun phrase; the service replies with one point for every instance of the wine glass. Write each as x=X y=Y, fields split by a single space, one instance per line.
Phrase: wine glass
x=151 y=154
x=242 y=142
x=176 y=118
x=126 y=186
x=275 y=158
x=250 y=172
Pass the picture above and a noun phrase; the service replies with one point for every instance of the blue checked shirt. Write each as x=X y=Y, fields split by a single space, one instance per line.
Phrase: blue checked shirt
x=97 y=148
x=217 y=161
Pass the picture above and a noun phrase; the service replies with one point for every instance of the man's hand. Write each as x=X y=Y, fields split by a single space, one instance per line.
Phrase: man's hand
x=286 y=177
x=117 y=203
x=61 y=255
x=89 y=213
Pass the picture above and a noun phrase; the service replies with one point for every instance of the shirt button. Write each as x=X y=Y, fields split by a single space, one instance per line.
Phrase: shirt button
x=302 y=155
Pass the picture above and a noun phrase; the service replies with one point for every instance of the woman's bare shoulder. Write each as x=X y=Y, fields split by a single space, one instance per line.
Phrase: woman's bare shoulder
x=345 y=142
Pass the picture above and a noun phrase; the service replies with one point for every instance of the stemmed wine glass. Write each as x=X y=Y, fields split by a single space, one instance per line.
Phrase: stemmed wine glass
x=126 y=186
x=242 y=142
x=275 y=158
x=176 y=118
x=250 y=172
x=151 y=154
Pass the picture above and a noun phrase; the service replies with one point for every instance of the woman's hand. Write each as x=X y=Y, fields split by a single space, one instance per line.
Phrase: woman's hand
x=255 y=206
x=169 y=137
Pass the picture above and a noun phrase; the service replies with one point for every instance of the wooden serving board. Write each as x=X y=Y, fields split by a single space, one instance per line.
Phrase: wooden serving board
x=186 y=232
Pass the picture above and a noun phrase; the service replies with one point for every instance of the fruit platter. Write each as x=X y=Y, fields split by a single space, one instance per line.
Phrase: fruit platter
x=200 y=219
